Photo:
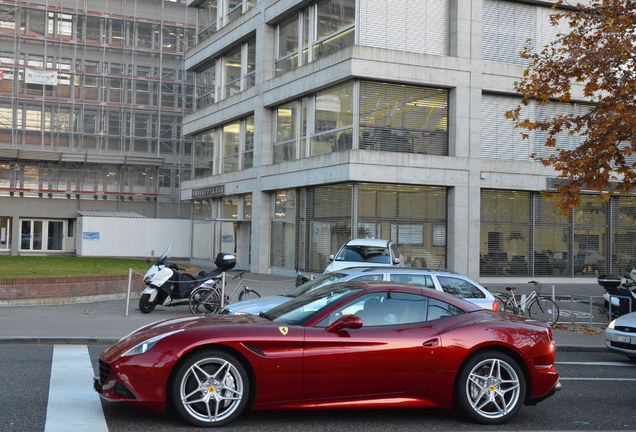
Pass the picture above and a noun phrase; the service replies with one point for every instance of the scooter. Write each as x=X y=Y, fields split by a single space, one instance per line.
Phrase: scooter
x=620 y=295
x=167 y=285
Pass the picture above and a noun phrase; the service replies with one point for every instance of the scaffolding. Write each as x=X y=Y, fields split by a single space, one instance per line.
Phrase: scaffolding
x=92 y=94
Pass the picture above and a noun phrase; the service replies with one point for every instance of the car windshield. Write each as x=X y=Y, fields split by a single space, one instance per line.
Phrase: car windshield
x=366 y=254
x=324 y=280
x=307 y=305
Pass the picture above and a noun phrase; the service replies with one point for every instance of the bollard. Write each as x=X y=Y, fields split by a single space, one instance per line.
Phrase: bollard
x=130 y=270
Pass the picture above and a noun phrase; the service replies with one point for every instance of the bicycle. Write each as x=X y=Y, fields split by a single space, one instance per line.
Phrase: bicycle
x=207 y=298
x=534 y=305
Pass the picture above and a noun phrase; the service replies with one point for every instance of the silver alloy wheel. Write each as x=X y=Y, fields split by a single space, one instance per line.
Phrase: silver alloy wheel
x=493 y=388
x=211 y=390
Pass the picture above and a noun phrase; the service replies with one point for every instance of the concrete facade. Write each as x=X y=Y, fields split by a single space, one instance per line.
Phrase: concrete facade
x=380 y=53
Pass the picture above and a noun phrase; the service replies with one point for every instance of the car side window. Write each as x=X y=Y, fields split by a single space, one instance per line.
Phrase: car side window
x=383 y=309
x=438 y=309
x=459 y=287
x=370 y=277
x=425 y=281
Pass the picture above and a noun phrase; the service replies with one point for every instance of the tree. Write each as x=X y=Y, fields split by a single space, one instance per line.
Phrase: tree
x=597 y=56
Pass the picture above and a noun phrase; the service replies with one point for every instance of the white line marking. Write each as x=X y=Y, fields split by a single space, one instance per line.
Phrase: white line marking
x=621 y=364
x=73 y=404
x=618 y=380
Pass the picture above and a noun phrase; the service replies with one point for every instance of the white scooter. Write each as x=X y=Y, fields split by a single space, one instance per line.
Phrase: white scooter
x=166 y=285
x=621 y=295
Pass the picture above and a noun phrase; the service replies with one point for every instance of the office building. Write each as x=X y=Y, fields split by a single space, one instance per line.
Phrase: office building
x=92 y=95
x=320 y=121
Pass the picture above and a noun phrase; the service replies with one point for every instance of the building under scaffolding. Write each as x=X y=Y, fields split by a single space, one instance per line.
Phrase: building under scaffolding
x=92 y=94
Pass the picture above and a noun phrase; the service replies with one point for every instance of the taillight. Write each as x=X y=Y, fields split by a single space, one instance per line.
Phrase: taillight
x=495 y=305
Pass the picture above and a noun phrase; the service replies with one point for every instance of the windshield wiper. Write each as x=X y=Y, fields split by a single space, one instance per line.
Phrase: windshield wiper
x=264 y=315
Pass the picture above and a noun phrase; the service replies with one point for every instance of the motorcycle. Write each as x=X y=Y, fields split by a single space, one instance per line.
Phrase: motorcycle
x=619 y=297
x=168 y=285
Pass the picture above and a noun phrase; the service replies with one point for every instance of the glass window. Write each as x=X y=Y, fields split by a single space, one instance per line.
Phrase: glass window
x=505 y=231
x=401 y=118
x=209 y=16
x=624 y=235
x=590 y=236
x=5 y=227
x=325 y=27
x=334 y=120
x=248 y=148
x=422 y=280
x=206 y=86
x=335 y=26
x=233 y=71
x=288 y=45
x=286 y=129
x=283 y=229
x=459 y=287
x=551 y=240
x=231 y=145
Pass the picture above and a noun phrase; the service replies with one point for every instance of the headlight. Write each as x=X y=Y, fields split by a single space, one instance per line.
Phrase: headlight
x=145 y=346
x=611 y=325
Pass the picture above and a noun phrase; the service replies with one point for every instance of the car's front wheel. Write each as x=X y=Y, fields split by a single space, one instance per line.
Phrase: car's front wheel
x=490 y=388
x=210 y=388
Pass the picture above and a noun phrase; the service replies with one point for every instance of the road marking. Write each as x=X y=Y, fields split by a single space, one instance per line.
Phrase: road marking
x=73 y=404
x=618 y=380
x=621 y=364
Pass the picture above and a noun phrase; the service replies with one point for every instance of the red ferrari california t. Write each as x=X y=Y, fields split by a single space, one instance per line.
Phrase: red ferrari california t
x=353 y=344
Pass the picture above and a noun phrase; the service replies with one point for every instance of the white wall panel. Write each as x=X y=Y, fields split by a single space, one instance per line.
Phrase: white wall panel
x=133 y=237
x=421 y=26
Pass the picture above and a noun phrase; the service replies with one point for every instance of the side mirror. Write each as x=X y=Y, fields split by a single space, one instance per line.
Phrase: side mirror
x=396 y=261
x=331 y=257
x=344 y=323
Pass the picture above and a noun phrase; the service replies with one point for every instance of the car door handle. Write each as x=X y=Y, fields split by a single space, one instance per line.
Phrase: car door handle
x=431 y=343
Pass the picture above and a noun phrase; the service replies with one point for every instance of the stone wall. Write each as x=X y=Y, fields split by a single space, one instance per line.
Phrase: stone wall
x=65 y=290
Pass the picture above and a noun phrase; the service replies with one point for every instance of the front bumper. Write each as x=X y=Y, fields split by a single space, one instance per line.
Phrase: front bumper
x=620 y=342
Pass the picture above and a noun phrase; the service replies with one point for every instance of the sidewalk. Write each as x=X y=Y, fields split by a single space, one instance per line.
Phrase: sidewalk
x=106 y=321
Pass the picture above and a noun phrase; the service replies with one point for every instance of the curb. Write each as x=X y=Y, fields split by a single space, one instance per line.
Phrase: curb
x=57 y=340
x=581 y=348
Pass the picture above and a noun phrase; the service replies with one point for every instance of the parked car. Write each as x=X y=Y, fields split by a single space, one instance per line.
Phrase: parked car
x=441 y=280
x=372 y=252
x=384 y=344
x=620 y=335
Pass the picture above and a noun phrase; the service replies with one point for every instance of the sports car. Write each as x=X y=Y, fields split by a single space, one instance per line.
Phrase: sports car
x=346 y=345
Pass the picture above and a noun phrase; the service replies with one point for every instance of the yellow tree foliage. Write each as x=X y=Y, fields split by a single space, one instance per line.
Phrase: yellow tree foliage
x=597 y=55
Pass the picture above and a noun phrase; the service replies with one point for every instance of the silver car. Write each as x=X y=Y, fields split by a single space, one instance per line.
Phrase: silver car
x=441 y=280
x=620 y=335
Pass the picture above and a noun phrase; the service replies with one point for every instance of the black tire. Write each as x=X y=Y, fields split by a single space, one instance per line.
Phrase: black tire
x=509 y=307
x=490 y=388
x=205 y=301
x=248 y=295
x=223 y=388
x=145 y=305
x=544 y=310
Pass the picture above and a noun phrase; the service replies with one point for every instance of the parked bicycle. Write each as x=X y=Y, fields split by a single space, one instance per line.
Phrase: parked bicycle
x=533 y=305
x=207 y=300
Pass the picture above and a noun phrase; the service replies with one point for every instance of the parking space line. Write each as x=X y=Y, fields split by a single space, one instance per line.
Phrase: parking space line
x=73 y=404
x=617 y=380
x=619 y=364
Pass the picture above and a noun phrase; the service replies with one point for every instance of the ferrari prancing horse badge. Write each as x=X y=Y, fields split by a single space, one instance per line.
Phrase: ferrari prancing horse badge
x=284 y=330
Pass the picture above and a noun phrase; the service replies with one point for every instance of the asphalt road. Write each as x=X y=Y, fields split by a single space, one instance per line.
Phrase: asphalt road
x=598 y=394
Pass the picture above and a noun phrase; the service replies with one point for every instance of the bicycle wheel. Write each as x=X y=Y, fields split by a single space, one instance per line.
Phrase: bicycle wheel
x=248 y=294
x=205 y=301
x=510 y=306
x=544 y=310
x=502 y=298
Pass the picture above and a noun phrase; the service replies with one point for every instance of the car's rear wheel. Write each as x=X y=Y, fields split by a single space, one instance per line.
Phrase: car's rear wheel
x=210 y=388
x=490 y=388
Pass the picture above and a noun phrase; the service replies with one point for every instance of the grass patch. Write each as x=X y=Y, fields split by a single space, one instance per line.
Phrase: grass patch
x=52 y=266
